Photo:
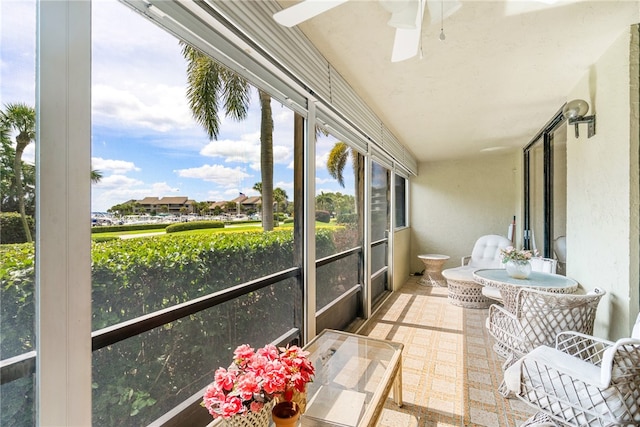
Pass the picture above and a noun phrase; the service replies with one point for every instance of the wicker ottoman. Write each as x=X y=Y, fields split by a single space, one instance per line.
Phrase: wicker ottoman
x=433 y=269
x=463 y=290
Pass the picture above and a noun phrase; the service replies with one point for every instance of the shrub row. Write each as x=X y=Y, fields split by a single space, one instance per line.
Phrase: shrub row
x=134 y=277
x=193 y=225
x=129 y=227
x=11 y=228
x=347 y=218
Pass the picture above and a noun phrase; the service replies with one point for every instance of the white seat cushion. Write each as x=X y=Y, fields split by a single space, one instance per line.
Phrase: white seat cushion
x=561 y=361
x=464 y=273
x=491 y=292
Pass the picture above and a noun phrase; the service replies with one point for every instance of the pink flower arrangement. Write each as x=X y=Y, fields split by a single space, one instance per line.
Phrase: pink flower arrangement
x=520 y=256
x=255 y=378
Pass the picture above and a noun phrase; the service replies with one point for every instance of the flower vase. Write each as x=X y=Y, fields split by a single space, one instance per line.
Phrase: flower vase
x=518 y=269
x=286 y=414
x=251 y=419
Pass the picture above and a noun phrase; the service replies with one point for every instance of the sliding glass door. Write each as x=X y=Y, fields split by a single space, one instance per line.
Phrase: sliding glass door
x=545 y=168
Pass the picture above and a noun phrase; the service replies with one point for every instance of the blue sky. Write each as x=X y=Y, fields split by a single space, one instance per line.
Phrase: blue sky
x=144 y=140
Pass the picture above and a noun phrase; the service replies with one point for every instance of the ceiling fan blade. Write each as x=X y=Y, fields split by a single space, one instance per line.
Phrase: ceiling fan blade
x=304 y=10
x=407 y=40
x=439 y=9
x=405 y=17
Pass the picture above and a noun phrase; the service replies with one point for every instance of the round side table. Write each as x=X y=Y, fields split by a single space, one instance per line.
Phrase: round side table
x=433 y=269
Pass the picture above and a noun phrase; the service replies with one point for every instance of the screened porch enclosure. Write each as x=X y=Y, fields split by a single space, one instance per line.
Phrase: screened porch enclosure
x=160 y=327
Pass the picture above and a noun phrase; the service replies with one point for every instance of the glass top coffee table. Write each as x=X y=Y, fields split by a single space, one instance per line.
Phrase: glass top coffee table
x=354 y=375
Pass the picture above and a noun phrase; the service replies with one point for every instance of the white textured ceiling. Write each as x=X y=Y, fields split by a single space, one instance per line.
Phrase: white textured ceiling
x=503 y=71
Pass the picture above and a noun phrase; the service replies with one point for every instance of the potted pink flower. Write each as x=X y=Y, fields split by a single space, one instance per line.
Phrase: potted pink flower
x=255 y=379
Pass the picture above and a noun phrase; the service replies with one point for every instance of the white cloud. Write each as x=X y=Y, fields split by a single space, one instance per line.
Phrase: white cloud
x=282 y=115
x=215 y=196
x=163 y=189
x=29 y=154
x=159 y=107
x=325 y=180
x=114 y=166
x=117 y=182
x=286 y=186
x=116 y=189
x=219 y=174
x=246 y=150
x=321 y=160
x=231 y=193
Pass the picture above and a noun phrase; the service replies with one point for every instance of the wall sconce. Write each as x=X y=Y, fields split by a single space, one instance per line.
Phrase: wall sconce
x=575 y=112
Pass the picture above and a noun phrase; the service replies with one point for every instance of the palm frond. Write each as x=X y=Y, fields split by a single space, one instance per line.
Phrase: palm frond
x=337 y=160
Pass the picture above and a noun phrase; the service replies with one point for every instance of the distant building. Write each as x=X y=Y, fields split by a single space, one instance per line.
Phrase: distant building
x=172 y=205
x=249 y=204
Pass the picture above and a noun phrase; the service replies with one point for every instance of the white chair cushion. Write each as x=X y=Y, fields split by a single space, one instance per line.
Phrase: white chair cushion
x=486 y=251
x=463 y=274
x=491 y=292
x=561 y=361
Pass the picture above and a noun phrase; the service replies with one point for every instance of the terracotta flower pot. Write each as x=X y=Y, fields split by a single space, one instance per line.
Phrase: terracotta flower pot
x=286 y=414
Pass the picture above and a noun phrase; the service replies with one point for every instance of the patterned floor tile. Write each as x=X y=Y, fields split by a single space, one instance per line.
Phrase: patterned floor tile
x=450 y=372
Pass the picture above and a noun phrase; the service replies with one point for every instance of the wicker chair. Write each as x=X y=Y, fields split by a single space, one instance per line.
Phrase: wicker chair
x=463 y=290
x=583 y=381
x=538 y=318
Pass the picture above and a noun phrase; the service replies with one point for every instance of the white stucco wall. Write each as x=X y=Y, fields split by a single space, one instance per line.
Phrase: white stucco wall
x=602 y=187
x=455 y=202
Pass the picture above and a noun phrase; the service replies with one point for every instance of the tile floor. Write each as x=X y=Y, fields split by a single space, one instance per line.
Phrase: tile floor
x=450 y=373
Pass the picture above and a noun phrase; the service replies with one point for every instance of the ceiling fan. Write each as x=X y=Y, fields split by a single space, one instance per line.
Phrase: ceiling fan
x=406 y=17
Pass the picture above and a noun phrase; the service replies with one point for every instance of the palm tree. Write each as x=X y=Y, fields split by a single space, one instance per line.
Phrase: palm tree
x=335 y=165
x=96 y=176
x=279 y=196
x=258 y=187
x=209 y=84
x=22 y=119
x=337 y=160
x=324 y=201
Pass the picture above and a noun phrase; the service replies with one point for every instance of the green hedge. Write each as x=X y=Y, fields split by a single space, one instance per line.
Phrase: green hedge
x=193 y=225
x=99 y=239
x=347 y=218
x=130 y=227
x=248 y=221
x=11 y=228
x=323 y=216
x=136 y=379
